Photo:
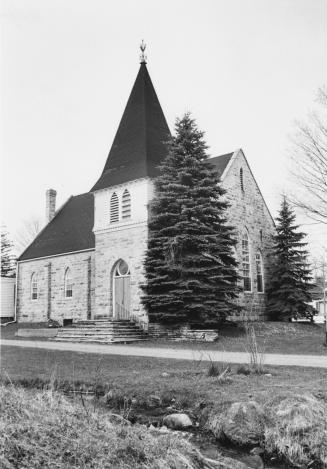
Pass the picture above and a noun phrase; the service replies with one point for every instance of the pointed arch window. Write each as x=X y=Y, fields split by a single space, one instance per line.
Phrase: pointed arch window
x=259 y=269
x=114 y=208
x=68 y=284
x=241 y=180
x=246 y=264
x=34 y=287
x=126 y=205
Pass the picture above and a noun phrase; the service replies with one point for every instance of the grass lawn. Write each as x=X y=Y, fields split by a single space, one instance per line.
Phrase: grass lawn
x=134 y=384
x=8 y=332
x=185 y=381
x=272 y=337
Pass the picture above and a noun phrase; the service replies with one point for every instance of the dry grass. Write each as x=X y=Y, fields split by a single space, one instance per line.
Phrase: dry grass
x=44 y=429
x=296 y=430
x=183 y=384
x=289 y=427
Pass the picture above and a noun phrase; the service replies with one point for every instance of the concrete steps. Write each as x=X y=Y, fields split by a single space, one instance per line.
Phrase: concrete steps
x=102 y=331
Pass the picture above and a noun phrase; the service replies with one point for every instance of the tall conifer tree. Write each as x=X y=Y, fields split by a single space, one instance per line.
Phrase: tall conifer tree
x=290 y=286
x=190 y=267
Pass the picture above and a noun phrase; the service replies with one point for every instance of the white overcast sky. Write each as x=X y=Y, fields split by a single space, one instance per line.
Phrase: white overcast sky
x=245 y=69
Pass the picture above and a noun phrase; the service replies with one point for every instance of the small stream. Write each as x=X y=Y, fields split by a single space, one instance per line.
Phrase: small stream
x=210 y=446
x=203 y=440
x=206 y=443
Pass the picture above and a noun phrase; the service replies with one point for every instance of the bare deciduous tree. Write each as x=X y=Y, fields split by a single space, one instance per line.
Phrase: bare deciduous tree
x=309 y=155
x=28 y=231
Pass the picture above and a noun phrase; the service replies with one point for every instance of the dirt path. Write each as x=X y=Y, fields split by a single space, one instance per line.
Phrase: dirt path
x=185 y=354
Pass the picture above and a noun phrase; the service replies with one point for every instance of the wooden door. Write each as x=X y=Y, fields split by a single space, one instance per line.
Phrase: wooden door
x=122 y=297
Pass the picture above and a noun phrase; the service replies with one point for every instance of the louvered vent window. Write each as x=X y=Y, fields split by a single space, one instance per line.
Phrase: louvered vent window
x=114 y=208
x=241 y=180
x=126 y=205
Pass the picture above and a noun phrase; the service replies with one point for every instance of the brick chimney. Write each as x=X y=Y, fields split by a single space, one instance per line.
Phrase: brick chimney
x=50 y=204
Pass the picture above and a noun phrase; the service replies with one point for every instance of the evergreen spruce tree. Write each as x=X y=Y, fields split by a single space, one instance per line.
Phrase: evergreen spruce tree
x=8 y=260
x=190 y=267
x=290 y=286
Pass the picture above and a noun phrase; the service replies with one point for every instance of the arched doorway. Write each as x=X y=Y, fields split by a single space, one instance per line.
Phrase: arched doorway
x=121 y=291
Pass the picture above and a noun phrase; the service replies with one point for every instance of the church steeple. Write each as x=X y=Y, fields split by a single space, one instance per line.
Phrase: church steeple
x=139 y=145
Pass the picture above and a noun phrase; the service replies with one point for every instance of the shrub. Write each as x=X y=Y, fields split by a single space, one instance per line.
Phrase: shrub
x=243 y=370
x=221 y=372
x=256 y=352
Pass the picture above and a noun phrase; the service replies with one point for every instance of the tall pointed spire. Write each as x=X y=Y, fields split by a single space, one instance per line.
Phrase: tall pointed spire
x=140 y=142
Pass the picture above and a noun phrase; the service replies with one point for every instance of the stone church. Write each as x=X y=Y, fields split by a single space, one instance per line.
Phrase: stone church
x=87 y=262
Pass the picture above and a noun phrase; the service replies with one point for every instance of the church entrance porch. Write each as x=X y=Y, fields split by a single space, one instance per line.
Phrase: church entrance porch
x=121 y=288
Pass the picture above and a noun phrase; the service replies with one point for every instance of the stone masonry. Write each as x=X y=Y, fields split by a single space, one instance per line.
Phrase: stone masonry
x=51 y=302
x=129 y=244
x=248 y=211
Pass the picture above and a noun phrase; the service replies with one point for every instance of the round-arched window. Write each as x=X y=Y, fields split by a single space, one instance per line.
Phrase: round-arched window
x=34 y=287
x=259 y=266
x=122 y=269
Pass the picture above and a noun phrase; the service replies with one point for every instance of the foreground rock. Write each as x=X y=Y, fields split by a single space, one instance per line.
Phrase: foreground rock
x=221 y=462
x=242 y=423
x=296 y=429
x=177 y=421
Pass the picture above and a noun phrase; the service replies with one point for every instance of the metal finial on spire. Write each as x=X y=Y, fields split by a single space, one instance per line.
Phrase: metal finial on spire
x=142 y=55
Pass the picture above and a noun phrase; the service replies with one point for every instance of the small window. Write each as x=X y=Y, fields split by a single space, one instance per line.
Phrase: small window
x=68 y=284
x=114 y=208
x=241 y=180
x=126 y=205
x=246 y=265
x=34 y=287
x=259 y=268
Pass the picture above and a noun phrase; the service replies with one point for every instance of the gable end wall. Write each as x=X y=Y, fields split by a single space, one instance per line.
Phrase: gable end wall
x=248 y=211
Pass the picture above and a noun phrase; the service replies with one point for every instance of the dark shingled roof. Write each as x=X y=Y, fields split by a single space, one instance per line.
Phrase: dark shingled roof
x=70 y=230
x=137 y=150
x=139 y=145
x=220 y=162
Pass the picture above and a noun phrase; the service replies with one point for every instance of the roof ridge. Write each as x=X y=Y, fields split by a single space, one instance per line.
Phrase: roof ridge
x=143 y=64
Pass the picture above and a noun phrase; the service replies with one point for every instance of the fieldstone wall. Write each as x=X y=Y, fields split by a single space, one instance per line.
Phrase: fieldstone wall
x=248 y=211
x=111 y=245
x=51 y=302
x=182 y=332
